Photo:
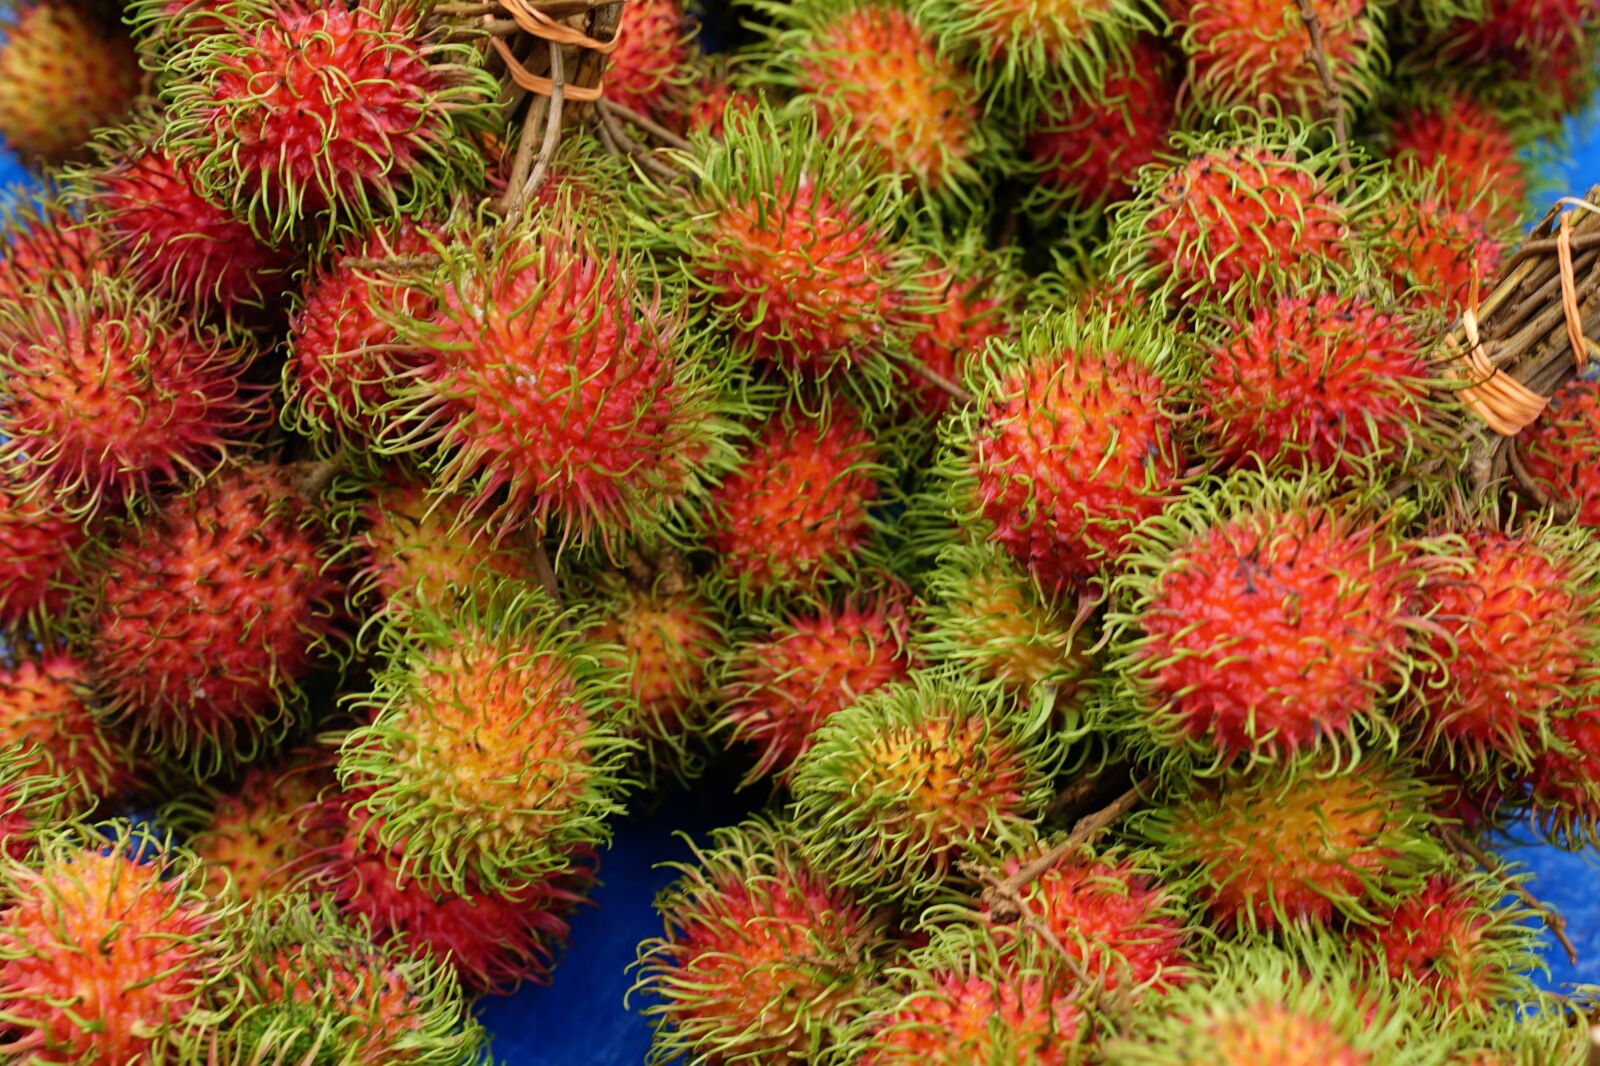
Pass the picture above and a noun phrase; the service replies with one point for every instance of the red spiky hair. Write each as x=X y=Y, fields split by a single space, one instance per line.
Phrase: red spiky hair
x=1470 y=150
x=651 y=49
x=973 y=306
x=969 y=1017
x=1561 y=450
x=42 y=244
x=1432 y=252
x=1249 y=51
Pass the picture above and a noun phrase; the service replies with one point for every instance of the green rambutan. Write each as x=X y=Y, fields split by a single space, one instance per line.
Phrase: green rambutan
x=1514 y=619
x=563 y=385
x=898 y=788
x=1070 y=444
x=65 y=68
x=1560 y=451
x=1304 y=1005
x=493 y=748
x=781 y=686
x=39 y=556
x=1470 y=151
x=1301 y=842
x=653 y=47
x=107 y=953
x=801 y=510
x=347 y=110
x=48 y=701
x=1259 y=619
x=107 y=393
x=873 y=68
x=1258 y=52
x=210 y=613
x=1459 y=941
x=787 y=237
x=764 y=958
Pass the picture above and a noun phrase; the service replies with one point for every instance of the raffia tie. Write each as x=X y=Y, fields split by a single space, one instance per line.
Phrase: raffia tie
x=542 y=26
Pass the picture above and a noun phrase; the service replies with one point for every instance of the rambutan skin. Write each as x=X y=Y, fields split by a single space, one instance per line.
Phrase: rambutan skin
x=50 y=702
x=953 y=1017
x=209 y=615
x=652 y=48
x=974 y=305
x=107 y=394
x=259 y=838
x=64 y=70
x=39 y=549
x=1432 y=252
x=41 y=244
x=1247 y=52
x=1470 y=151
x=1561 y=450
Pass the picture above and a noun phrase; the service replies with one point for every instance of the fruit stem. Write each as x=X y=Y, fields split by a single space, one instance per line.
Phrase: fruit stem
x=650 y=126
x=546 y=572
x=1333 y=98
x=1552 y=918
x=933 y=377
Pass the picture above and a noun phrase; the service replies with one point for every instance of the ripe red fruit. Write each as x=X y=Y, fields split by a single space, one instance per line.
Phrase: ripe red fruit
x=210 y=615
x=1528 y=31
x=49 y=702
x=1249 y=51
x=107 y=393
x=954 y=1017
x=784 y=685
x=1432 y=252
x=1327 y=382
x=973 y=305
x=1227 y=213
x=798 y=511
x=39 y=543
x=1072 y=446
x=1473 y=152
x=651 y=48
x=1258 y=622
x=181 y=243
x=1561 y=450
x=1565 y=780
x=261 y=836
x=64 y=70
x=41 y=245
x=1089 y=146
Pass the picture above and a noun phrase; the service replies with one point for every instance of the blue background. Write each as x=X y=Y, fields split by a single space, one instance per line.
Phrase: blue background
x=580 y=1017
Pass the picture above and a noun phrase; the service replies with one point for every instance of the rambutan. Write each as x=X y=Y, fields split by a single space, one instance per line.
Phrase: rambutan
x=1301 y=842
x=107 y=954
x=800 y=510
x=1512 y=632
x=652 y=49
x=493 y=749
x=173 y=238
x=873 y=68
x=42 y=243
x=210 y=614
x=1560 y=451
x=1431 y=250
x=1322 y=381
x=1256 y=619
x=975 y=298
x=1069 y=445
x=34 y=799
x=1459 y=941
x=495 y=941
x=780 y=687
x=39 y=547
x=787 y=236
x=563 y=385
x=1565 y=781
x=106 y=393
x=1469 y=150
x=1088 y=144
x=65 y=69
x=897 y=788
x=1526 y=31
x=347 y=370
x=349 y=110
x=764 y=958
x=1251 y=52
x=48 y=701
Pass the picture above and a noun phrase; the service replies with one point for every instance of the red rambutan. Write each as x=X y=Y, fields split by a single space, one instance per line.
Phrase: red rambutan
x=39 y=545
x=1565 y=781
x=209 y=615
x=1527 y=31
x=49 y=702
x=652 y=48
x=1250 y=51
x=41 y=244
x=1432 y=252
x=1560 y=452
x=260 y=836
x=1469 y=150
x=65 y=69
x=975 y=298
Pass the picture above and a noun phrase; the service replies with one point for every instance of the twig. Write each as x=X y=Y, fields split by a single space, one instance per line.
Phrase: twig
x=1552 y=918
x=622 y=144
x=649 y=125
x=394 y=262
x=1334 y=101
x=1074 y=794
x=522 y=163
x=546 y=572
x=933 y=377
x=552 y=127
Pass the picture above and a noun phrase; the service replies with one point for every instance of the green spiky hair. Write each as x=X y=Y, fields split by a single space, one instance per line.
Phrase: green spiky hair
x=821 y=216
x=1293 y=652
x=898 y=788
x=763 y=959
x=317 y=991
x=624 y=427
x=1067 y=511
x=825 y=49
x=34 y=798
x=1302 y=841
x=493 y=748
x=1299 y=204
x=320 y=80
x=973 y=998
x=1302 y=1003
x=1018 y=50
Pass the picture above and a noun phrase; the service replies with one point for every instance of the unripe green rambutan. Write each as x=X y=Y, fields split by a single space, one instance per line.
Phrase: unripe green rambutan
x=49 y=701
x=1306 y=1005
x=108 y=953
x=106 y=393
x=1302 y=841
x=347 y=110
x=65 y=68
x=1459 y=941
x=901 y=786
x=1260 y=618
x=764 y=958
x=1070 y=444
x=209 y=615
x=493 y=748
x=780 y=687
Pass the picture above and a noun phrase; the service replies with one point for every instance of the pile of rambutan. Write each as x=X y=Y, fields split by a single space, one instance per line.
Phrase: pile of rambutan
x=1029 y=446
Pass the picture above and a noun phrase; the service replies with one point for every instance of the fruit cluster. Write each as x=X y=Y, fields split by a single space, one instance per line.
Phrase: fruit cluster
x=1022 y=439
